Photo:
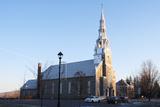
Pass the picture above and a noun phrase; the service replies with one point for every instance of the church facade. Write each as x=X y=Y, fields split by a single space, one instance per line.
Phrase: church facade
x=79 y=79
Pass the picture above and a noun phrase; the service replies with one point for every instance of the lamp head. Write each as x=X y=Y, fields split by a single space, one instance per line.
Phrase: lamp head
x=60 y=55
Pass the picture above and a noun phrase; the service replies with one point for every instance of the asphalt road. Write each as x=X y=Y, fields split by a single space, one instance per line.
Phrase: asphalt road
x=75 y=103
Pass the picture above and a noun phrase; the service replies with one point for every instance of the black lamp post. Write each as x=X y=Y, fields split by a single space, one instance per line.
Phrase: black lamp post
x=60 y=55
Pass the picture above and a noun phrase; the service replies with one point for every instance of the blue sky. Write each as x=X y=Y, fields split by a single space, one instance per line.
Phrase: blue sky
x=33 y=31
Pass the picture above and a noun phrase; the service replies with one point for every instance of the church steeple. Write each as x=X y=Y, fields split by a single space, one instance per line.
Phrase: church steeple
x=102 y=40
x=102 y=43
x=103 y=61
x=102 y=28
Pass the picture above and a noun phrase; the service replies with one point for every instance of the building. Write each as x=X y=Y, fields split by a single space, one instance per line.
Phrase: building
x=125 y=89
x=83 y=78
x=29 y=90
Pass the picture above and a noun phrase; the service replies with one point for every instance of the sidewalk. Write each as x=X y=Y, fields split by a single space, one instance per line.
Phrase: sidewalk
x=145 y=100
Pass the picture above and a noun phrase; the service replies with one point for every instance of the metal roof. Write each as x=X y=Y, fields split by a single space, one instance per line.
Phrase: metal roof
x=30 y=84
x=69 y=70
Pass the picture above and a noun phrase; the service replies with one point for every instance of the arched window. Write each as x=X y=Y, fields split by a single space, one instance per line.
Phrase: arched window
x=89 y=87
x=69 y=87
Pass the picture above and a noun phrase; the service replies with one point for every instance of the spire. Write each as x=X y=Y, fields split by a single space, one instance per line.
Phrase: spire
x=102 y=13
x=102 y=40
x=102 y=29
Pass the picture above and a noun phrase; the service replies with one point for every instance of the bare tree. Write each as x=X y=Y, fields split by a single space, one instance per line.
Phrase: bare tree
x=149 y=75
x=41 y=89
x=129 y=80
x=156 y=89
x=33 y=69
x=137 y=88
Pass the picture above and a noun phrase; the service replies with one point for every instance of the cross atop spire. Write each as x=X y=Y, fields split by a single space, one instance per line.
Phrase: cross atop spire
x=101 y=6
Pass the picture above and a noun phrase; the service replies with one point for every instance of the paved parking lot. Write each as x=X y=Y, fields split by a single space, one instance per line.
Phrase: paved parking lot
x=76 y=103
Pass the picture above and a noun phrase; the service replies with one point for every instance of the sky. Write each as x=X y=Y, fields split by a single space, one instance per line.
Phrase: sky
x=33 y=31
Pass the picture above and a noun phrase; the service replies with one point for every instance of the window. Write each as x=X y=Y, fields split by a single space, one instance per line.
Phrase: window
x=69 y=87
x=89 y=87
x=61 y=88
x=52 y=87
x=78 y=86
x=45 y=88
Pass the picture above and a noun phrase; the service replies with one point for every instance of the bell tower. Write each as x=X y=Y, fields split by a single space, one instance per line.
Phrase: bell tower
x=103 y=56
x=102 y=43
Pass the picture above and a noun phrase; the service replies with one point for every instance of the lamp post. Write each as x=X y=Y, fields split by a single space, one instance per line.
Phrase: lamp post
x=60 y=55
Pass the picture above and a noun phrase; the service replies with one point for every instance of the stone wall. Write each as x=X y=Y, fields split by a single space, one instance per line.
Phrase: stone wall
x=28 y=93
x=77 y=87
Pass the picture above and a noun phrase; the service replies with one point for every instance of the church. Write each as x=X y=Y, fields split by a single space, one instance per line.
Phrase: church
x=78 y=79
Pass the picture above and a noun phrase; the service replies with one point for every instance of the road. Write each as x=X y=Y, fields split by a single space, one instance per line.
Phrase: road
x=76 y=103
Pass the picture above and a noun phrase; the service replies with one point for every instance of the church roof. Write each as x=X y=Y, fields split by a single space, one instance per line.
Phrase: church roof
x=30 y=84
x=69 y=70
x=124 y=83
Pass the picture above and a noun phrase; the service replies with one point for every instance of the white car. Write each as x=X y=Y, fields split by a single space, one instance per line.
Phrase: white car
x=92 y=99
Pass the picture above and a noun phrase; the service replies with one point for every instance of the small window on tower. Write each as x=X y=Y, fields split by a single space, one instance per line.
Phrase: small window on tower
x=100 y=43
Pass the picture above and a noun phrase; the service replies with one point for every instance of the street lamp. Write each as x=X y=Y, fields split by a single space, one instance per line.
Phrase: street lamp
x=60 y=55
